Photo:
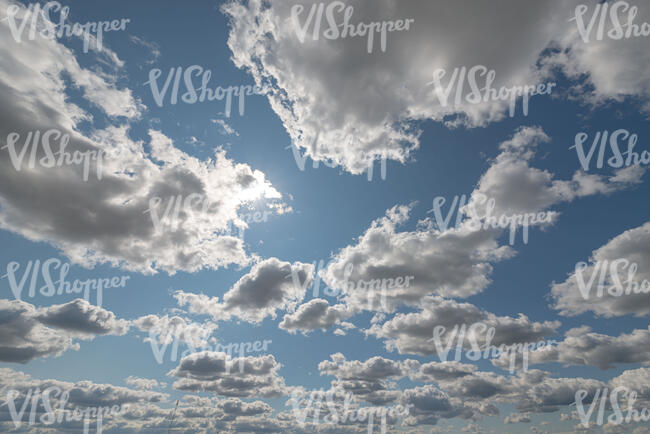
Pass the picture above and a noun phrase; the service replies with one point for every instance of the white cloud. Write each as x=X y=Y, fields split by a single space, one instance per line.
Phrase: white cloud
x=451 y=263
x=623 y=261
x=412 y=333
x=105 y=220
x=332 y=89
x=456 y=262
x=143 y=383
x=315 y=314
x=165 y=329
x=518 y=188
x=581 y=347
x=235 y=377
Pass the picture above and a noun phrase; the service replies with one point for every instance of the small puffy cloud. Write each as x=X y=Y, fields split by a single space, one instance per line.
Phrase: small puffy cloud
x=234 y=377
x=581 y=346
x=428 y=404
x=412 y=333
x=164 y=329
x=143 y=383
x=82 y=393
x=451 y=263
x=315 y=314
x=269 y=286
x=438 y=371
x=518 y=188
x=81 y=317
x=29 y=332
x=368 y=380
x=517 y=418
x=109 y=217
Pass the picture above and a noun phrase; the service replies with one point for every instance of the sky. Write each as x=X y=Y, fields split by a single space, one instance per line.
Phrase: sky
x=208 y=164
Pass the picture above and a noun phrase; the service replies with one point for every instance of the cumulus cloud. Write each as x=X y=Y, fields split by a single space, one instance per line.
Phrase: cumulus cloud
x=110 y=219
x=315 y=314
x=143 y=383
x=438 y=371
x=598 y=81
x=234 y=377
x=551 y=394
x=375 y=368
x=80 y=394
x=324 y=90
x=379 y=113
x=452 y=389
x=29 y=332
x=517 y=418
x=140 y=410
x=581 y=346
x=269 y=286
x=515 y=187
x=368 y=380
x=337 y=410
x=451 y=263
x=428 y=404
x=479 y=386
x=532 y=392
x=637 y=380
x=194 y=413
x=235 y=407
x=412 y=333
x=81 y=317
x=622 y=263
x=387 y=268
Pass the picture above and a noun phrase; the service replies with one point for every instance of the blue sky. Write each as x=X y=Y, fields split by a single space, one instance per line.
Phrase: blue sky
x=201 y=284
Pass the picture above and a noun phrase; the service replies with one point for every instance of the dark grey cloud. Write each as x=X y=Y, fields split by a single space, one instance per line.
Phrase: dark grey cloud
x=28 y=332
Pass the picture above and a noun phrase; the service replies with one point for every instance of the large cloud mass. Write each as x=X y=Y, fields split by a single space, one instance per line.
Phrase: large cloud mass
x=326 y=90
x=110 y=219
